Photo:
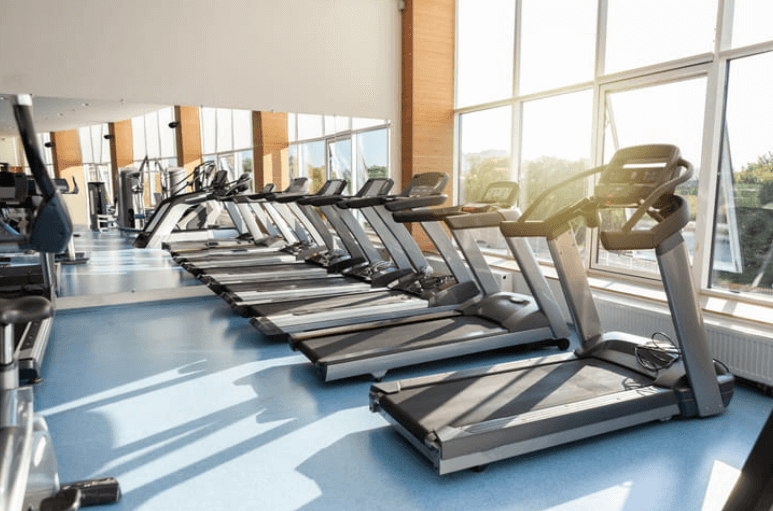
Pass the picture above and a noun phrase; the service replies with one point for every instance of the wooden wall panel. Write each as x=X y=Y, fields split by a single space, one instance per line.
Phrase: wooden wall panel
x=188 y=137
x=68 y=163
x=428 y=91
x=269 y=131
x=121 y=148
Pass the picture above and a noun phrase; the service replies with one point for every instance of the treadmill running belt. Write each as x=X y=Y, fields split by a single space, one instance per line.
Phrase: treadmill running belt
x=465 y=401
x=267 y=270
x=342 y=302
x=392 y=339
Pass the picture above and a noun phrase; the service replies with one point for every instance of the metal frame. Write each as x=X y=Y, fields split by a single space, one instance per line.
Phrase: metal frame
x=714 y=65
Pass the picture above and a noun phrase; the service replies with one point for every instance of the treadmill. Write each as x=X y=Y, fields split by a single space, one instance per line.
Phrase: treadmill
x=219 y=272
x=613 y=380
x=423 y=190
x=493 y=320
x=355 y=250
x=19 y=192
x=171 y=214
x=437 y=293
x=280 y=222
x=255 y=227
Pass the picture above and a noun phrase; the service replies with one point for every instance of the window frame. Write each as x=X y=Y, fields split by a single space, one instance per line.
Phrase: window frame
x=713 y=65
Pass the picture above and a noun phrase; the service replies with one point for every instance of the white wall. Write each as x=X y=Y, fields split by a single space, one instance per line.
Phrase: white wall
x=9 y=152
x=337 y=57
x=311 y=56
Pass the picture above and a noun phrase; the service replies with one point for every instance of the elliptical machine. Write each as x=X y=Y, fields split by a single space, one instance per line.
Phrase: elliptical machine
x=28 y=471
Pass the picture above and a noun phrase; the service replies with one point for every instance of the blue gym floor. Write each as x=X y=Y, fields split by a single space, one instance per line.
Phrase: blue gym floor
x=191 y=408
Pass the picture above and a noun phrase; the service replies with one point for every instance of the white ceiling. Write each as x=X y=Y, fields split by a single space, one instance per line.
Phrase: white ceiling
x=59 y=114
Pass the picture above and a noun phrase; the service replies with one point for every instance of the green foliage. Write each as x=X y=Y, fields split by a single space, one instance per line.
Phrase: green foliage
x=765 y=193
x=317 y=175
x=547 y=171
x=482 y=172
x=377 y=171
x=758 y=172
x=247 y=165
x=756 y=226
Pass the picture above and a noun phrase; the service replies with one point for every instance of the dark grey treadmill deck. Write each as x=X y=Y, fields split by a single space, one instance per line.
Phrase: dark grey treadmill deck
x=266 y=269
x=300 y=284
x=330 y=303
x=461 y=402
x=381 y=341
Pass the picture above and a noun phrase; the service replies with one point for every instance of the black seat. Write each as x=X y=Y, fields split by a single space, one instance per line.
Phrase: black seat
x=24 y=310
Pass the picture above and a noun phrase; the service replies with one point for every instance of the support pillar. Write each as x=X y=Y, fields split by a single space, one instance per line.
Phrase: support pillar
x=428 y=92
x=68 y=163
x=271 y=157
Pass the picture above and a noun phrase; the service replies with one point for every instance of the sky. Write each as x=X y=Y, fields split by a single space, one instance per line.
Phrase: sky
x=640 y=34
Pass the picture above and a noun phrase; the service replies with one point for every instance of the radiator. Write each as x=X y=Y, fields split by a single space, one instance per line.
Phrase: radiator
x=746 y=349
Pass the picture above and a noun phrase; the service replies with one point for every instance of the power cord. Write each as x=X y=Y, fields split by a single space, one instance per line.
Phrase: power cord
x=658 y=354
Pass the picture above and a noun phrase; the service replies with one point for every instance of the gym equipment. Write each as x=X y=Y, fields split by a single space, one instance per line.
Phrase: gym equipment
x=613 y=380
x=101 y=211
x=241 y=270
x=28 y=470
x=70 y=256
x=25 y=274
x=407 y=258
x=493 y=320
x=184 y=216
x=401 y=301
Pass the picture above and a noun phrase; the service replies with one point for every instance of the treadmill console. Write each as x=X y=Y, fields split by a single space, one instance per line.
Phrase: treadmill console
x=427 y=183
x=299 y=185
x=332 y=187
x=375 y=186
x=498 y=195
x=636 y=172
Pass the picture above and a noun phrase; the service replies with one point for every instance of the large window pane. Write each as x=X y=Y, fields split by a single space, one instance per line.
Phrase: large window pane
x=166 y=134
x=152 y=142
x=340 y=161
x=372 y=158
x=646 y=32
x=208 y=130
x=485 y=150
x=313 y=161
x=87 y=152
x=138 y=137
x=486 y=31
x=485 y=158
x=309 y=126
x=292 y=161
x=752 y=22
x=292 y=136
x=242 y=123
x=558 y=41
x=556 y=145
x=225 y=141
x=671 y=113
x=743 y=234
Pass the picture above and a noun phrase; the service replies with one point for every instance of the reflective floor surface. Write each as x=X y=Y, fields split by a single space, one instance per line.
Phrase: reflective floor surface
x=191 y=408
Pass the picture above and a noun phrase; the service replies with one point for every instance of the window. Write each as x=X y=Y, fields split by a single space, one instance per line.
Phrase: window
x=335 y=147
x=743 y=236
x=95 y=155
x=664 y=113
x=153 y=138
x=226 y=138
x=547 y=62
x=547 y=88
x=484 y=50
x=646 y=32
x=48 y=158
